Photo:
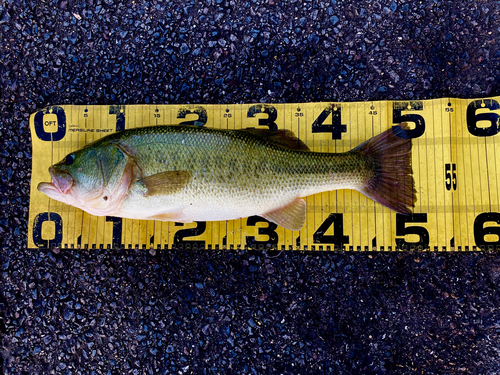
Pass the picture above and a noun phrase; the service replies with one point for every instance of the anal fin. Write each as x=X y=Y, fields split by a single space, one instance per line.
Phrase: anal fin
x=292 y=216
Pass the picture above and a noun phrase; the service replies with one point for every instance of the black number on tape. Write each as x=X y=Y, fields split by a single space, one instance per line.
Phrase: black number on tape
x=51 y=118
x=336 y=128
x=480 y=231
x=491 y=117
x=37 y=229
x=190 y=110
x=268 y=231
x=403 y=230
x=119 y=111
x=272 y=115
x=450 y=173
x=338 y=239
x=398 y=118
x=180 y=235
x=117 y=230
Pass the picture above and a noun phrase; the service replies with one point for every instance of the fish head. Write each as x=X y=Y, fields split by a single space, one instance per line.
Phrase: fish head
x=94 y=179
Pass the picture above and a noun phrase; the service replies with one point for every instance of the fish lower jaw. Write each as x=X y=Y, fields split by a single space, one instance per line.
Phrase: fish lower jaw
x=50 y=190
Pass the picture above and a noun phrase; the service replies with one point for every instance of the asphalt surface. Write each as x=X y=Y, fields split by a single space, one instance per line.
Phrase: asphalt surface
x=242 y=312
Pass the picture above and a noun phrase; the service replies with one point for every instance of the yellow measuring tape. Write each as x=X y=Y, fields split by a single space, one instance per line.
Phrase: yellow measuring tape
x=454 y=157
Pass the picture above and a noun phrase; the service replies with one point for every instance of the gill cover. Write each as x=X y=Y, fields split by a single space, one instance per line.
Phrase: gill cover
x=115 y=172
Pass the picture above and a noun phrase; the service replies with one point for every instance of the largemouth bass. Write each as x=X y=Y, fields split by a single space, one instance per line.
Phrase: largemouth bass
x=189 y=173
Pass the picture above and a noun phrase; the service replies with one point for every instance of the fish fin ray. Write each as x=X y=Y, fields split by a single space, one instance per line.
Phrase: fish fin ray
x=165 y=183
x=292 y=216
x=282 y=137
x=392 y=183
x=170 y=216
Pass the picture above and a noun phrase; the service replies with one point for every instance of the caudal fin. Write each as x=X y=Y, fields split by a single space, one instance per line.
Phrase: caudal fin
x=392 y=183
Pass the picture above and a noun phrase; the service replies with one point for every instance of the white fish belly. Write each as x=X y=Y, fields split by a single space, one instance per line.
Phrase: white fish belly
x=219 y=206
x=206 y=204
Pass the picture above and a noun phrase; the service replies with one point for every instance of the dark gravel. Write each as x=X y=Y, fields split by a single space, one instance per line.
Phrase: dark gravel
x=241 y=312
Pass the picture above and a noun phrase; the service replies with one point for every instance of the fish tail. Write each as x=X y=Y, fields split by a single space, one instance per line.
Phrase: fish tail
x=391 y=183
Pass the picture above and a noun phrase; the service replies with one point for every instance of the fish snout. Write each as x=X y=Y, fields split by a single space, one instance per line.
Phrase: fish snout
x=61 y=180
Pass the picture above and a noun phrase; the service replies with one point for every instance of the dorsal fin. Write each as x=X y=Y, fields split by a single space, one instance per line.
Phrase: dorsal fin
x=282 y=137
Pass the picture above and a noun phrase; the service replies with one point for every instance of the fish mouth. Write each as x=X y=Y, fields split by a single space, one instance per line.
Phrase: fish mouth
x=61 y=183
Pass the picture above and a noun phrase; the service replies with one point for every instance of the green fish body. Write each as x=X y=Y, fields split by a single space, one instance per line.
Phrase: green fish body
x=188 y=173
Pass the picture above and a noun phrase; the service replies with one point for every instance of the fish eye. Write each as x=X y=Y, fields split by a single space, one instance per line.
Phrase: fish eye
x=69 y=159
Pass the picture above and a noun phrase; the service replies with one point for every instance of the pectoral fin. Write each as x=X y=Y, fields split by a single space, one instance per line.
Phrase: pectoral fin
x=165 y=183
x=170 y=216
x=291 y=216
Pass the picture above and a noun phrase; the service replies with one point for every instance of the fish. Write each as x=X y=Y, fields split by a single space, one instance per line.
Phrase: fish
x=187 y=173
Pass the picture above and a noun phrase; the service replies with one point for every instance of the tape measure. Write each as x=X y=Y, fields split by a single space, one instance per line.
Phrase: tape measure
x=454 y=159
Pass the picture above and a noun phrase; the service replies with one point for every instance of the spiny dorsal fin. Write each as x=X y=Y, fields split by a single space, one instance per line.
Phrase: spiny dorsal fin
x=165 y=183
x=291 y=216
x=282 y=137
